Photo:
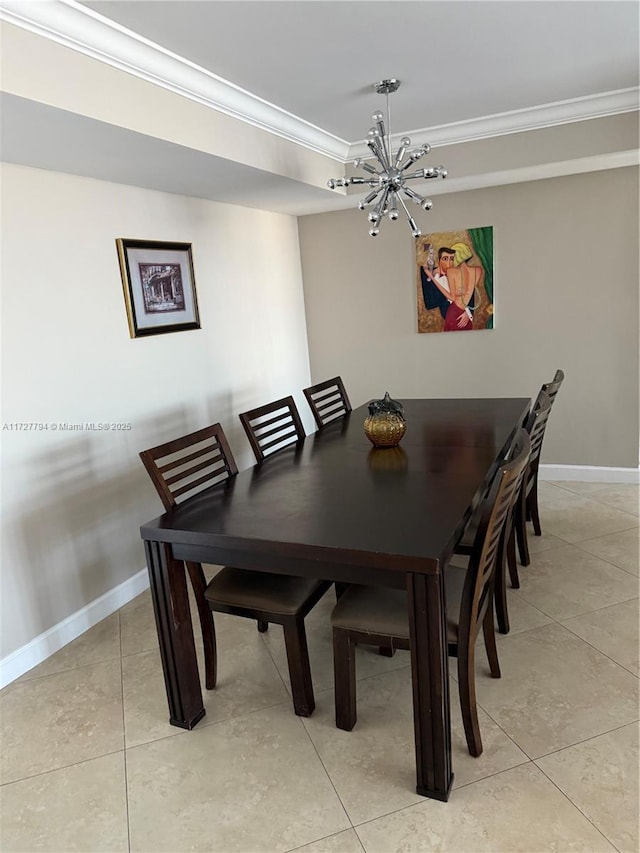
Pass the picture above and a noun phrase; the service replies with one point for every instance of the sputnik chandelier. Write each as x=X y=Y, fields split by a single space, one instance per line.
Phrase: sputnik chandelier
x=389 y=182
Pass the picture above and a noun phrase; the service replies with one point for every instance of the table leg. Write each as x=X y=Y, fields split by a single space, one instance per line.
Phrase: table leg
x=430 y=676
x=175 y=634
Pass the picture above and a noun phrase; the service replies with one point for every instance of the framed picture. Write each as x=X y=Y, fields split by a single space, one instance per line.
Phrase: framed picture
x=454 y=280
x=159 y=286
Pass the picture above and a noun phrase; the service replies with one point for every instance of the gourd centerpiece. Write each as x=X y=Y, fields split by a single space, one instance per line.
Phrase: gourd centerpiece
x=385 y=424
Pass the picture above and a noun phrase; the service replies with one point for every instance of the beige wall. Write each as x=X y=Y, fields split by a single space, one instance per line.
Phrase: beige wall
x=566 y=295
x=73 y=502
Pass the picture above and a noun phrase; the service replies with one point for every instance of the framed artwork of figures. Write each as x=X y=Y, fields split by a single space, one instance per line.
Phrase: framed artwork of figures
x=454 y=280
x=159 y=286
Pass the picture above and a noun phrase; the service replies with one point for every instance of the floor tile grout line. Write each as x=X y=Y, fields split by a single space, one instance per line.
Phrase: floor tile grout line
x=324 y=767
x=587 y=739
x=124 y=738
x=61 y=767
x=576 y=806
x=589 y=643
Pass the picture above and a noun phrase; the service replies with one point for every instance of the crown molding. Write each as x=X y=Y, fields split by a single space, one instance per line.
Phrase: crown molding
x=79 y=28
x=540 y=172
x=75 y=26
x=533 y=118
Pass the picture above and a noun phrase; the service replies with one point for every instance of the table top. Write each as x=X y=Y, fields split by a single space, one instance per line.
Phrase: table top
x=334 y=499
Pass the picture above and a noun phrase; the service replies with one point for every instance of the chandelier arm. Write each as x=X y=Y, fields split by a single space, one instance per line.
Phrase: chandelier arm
x=413 y=195
x=415 y=231
x=381 y=153
x=364 y=202
x=360 y=164
x=376 y=215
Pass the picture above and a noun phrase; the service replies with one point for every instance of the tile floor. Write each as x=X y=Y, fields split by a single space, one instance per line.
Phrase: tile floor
x=89 y=762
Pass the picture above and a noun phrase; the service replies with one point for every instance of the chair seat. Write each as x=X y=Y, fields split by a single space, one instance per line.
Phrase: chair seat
x=383 y=612
x=279 y=594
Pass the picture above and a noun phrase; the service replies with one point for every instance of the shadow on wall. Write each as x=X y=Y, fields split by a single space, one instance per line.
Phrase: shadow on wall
x=76 y=536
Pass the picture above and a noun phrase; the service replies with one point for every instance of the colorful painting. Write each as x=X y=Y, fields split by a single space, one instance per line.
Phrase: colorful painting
x=454 y=272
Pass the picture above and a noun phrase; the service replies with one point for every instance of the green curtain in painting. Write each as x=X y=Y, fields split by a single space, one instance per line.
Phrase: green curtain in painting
x=482 y=240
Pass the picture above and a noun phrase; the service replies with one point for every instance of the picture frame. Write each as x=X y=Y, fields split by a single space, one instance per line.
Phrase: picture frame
x=159 y=286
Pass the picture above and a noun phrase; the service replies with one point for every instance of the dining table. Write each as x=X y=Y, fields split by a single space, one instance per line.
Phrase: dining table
x=332 y=506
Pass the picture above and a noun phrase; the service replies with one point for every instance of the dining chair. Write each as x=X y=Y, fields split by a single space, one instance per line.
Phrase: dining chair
x=328 y=401
x=272 y=427
x=506 y=558
x=372 y=616
x=528 y=500
x=532 y=511
x=182 y=468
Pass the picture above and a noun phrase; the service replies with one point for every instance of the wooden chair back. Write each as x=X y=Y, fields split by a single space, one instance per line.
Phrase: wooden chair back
x=327 y=400
x=182 y=468
x=536 y=425
x=498 y=507
x=272 y=427
x=552 y=388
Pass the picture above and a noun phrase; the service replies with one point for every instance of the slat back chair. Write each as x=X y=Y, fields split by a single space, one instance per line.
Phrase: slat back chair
x=528 y=503
x=328 y=401
x=180 y=469
x=272 y=427
x=373 y=616
x=507 y=553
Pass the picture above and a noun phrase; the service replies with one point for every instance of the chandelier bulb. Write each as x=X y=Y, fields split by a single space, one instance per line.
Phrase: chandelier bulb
x=377 y=116
x=373 y=132
x=373 y=232
x=426 y=148
x=331 y=183
x=427 y=204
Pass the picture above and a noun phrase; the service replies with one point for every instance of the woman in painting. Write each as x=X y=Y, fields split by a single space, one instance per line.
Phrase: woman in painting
x=463 y=280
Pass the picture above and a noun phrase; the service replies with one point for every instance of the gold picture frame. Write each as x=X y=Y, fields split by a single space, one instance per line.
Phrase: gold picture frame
x=159 y=286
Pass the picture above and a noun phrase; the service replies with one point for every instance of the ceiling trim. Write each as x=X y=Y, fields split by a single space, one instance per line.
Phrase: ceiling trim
x=77 y=27
x=517 y=121
x=539 y=172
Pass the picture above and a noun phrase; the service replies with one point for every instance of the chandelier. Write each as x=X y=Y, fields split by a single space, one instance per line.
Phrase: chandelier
x=390 y=181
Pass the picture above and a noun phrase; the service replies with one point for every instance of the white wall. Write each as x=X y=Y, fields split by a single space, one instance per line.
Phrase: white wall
x=73 y=502
x=566 y=295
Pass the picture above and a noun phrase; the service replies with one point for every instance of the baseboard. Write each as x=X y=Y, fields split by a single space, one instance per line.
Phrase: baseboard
x=51 y=641
x=589 y=474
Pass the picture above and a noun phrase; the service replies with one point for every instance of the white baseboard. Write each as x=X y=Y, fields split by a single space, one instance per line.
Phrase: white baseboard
x=43 y=646
x=589 y=474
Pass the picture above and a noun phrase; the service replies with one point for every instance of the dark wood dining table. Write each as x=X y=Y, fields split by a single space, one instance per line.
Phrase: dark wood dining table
x=332 y=506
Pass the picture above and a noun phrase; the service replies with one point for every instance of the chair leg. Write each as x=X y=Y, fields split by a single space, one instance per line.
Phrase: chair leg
x=532 y=503
x=295 y=640
x=467 y=690
x=344 y=677
x=512 y=562
x=521 y=529
x=207 y=626
x=263 y=625
x=489 y=631
x=502 y=611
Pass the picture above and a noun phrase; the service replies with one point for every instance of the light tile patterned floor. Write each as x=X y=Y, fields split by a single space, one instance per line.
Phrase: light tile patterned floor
x=90 y=763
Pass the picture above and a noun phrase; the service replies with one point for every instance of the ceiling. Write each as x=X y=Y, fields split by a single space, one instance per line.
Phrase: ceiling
x=456 y=60
x=479 y=63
